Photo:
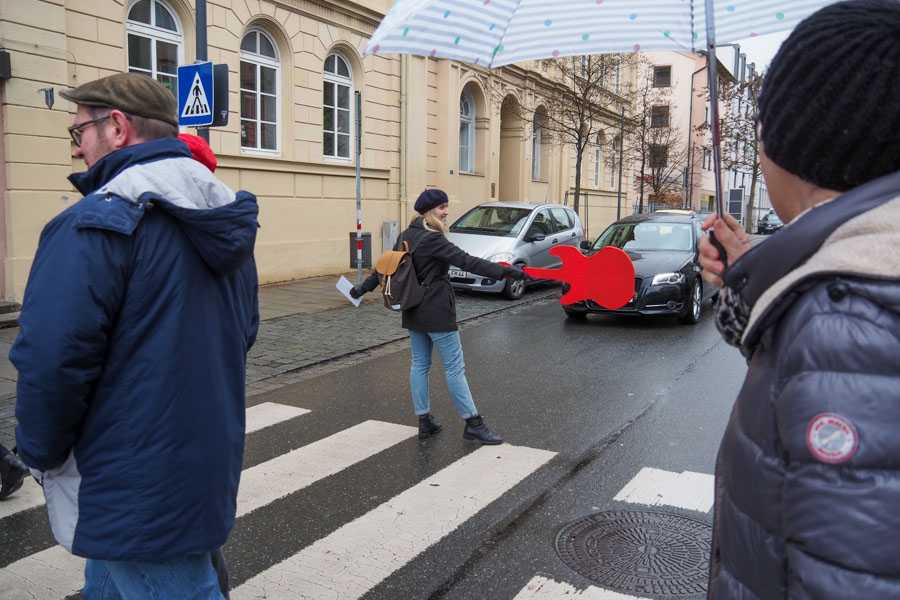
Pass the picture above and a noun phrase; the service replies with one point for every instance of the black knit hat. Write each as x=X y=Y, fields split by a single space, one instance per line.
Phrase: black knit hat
x=830 y=104
x=430 y=199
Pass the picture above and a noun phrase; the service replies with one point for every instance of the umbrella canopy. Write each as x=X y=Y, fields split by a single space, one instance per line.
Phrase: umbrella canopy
x=493 y=33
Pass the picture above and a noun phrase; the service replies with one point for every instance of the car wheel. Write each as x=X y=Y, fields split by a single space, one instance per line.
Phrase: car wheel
x=514 y=289
x=693 y=309
x=575 y=315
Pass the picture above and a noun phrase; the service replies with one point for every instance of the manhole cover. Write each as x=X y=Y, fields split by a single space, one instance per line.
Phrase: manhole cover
x=650 y=553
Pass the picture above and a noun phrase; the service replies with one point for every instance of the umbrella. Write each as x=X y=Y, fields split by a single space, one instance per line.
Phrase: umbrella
x=493 y=33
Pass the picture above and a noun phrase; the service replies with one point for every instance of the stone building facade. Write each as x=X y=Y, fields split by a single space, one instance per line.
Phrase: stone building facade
x=294 y=66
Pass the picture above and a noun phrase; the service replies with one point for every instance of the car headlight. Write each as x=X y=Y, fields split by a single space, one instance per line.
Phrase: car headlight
x=670 y=278
x=502 y=257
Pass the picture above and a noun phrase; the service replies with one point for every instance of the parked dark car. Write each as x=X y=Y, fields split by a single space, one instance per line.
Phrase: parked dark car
x=769 y=223
x=663 y=248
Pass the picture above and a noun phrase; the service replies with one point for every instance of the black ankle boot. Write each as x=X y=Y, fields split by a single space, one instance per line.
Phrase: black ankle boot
x=428 y=426
x=477 y=430
x=12 y=473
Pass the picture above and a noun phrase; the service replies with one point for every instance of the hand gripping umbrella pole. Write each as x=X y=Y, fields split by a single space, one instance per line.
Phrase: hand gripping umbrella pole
x=712 y=72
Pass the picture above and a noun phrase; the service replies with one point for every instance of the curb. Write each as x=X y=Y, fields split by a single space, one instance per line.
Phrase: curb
x=291 y=370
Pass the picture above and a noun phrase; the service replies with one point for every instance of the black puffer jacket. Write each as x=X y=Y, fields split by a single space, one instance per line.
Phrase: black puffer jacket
x=808 y=473
x=433 y=254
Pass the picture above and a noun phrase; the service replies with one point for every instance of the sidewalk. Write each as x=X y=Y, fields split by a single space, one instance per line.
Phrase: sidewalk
x=303 y=323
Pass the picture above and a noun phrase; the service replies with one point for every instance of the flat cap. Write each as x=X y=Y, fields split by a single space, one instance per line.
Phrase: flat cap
x=131 y=93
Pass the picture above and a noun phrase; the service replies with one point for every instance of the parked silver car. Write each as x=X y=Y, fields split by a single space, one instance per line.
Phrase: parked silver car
x=514 y=232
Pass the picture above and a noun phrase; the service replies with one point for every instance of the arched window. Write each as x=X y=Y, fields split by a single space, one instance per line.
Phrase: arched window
x=154 y=42
x=466 y=133
x=337 y=107
x=260 y=72
x=537 y=133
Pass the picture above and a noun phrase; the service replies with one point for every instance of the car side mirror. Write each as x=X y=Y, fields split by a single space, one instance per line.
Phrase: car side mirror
x=585 y=245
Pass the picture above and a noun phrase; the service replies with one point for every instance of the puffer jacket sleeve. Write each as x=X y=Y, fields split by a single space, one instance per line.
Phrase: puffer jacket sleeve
x=69 y=311
x=837 y=406
x=452 y=254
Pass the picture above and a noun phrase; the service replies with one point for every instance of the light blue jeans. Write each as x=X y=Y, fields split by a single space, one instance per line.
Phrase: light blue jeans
x=450 y=349
x=187 y=578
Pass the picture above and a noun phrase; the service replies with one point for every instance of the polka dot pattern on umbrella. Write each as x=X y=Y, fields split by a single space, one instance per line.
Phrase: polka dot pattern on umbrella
x=497 y=32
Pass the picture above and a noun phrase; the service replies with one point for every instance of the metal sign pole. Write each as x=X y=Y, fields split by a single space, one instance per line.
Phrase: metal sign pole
x=201 y=50
x=713 y=78
x=359 y=242
x=621 y=157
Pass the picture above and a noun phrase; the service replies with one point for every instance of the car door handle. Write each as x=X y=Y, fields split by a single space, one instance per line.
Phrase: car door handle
x=555 y=241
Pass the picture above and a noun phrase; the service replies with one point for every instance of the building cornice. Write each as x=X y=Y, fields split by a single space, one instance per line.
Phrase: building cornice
x=361 y=19
x=255 y=163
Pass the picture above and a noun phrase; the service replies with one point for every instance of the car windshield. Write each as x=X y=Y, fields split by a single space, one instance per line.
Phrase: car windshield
x=492 y=220
x=772 y=218
x=647 y=236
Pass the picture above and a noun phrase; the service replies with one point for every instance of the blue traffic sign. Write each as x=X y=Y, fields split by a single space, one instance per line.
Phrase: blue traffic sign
x=195 y=95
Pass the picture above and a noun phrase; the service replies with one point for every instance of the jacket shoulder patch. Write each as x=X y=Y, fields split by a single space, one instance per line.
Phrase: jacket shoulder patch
x=832 y=439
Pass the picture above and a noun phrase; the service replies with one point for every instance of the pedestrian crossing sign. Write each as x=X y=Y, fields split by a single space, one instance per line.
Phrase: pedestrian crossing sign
x=195 y=95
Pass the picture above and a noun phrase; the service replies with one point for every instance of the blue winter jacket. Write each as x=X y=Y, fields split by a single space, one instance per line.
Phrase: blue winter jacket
x=808 y=473
x=139 y=312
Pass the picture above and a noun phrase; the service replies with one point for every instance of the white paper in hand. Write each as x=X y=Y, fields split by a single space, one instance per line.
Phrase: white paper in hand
x=344 y=286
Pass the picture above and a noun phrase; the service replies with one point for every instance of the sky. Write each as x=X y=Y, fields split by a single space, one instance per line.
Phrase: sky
x=760 y=50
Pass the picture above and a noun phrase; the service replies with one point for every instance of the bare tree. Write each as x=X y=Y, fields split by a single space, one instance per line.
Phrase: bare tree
x=654 y=144
x=583 y=102
x=739 y=134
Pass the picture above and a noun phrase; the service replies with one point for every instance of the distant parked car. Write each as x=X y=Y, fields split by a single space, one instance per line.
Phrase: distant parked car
x=663 y=248
x=513 y=232
x=769 y=223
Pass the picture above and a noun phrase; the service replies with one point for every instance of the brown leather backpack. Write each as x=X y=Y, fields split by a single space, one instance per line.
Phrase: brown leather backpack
x=400 y=286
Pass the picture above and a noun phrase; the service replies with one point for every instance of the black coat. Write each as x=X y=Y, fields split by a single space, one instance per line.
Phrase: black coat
x=808 y=474
x=433 y=254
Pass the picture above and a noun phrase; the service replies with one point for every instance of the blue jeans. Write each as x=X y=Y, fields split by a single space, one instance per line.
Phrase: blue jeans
x=187 y=578
x=450 y=349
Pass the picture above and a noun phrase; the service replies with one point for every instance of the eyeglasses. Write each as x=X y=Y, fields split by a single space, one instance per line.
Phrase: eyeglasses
x=75 y=131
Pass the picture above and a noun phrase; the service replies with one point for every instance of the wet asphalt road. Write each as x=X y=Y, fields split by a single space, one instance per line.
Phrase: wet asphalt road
x=609 y=396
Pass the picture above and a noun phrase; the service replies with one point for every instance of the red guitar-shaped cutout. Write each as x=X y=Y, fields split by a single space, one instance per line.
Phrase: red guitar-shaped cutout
x=606 y=277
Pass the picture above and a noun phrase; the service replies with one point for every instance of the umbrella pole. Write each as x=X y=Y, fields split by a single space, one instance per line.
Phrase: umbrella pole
x=713 y=75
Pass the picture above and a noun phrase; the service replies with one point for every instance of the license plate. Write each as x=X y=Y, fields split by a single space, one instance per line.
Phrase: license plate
x=458 y=274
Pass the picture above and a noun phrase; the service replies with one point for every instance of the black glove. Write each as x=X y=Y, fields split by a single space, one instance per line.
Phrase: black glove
x=515 y=273
x=355 y=292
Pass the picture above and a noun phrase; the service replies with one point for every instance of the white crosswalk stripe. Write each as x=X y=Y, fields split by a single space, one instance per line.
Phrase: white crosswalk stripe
x=380 y=542
x=656 y=487
x=544 y=588
x=259 y=417
x=260 y=485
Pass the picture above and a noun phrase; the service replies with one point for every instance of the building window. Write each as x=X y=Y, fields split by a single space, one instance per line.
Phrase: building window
x=337 y=108
x=707 y=159
x=154 y=42
x=618 y=78
x=659 y=156
x=466 y=133
x=662 y=77
x=659 y=116
x=259 y=92
x=537 y=142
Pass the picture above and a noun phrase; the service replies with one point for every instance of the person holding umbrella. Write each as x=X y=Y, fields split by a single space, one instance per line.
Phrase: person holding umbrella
x=433 y=322
x=807 y=479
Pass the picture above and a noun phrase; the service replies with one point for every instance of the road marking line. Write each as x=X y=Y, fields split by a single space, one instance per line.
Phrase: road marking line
x=543 y=588
x=356 y=557
x=656 y=487
x=260 y=485
x=259 y=417
x=291 y=472
x=266 y=414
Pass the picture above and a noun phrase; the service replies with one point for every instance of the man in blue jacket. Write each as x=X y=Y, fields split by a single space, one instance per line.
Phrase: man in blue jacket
x=139 y=312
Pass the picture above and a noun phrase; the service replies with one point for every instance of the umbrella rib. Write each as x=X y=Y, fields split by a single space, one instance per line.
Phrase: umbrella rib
x=505 y=29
